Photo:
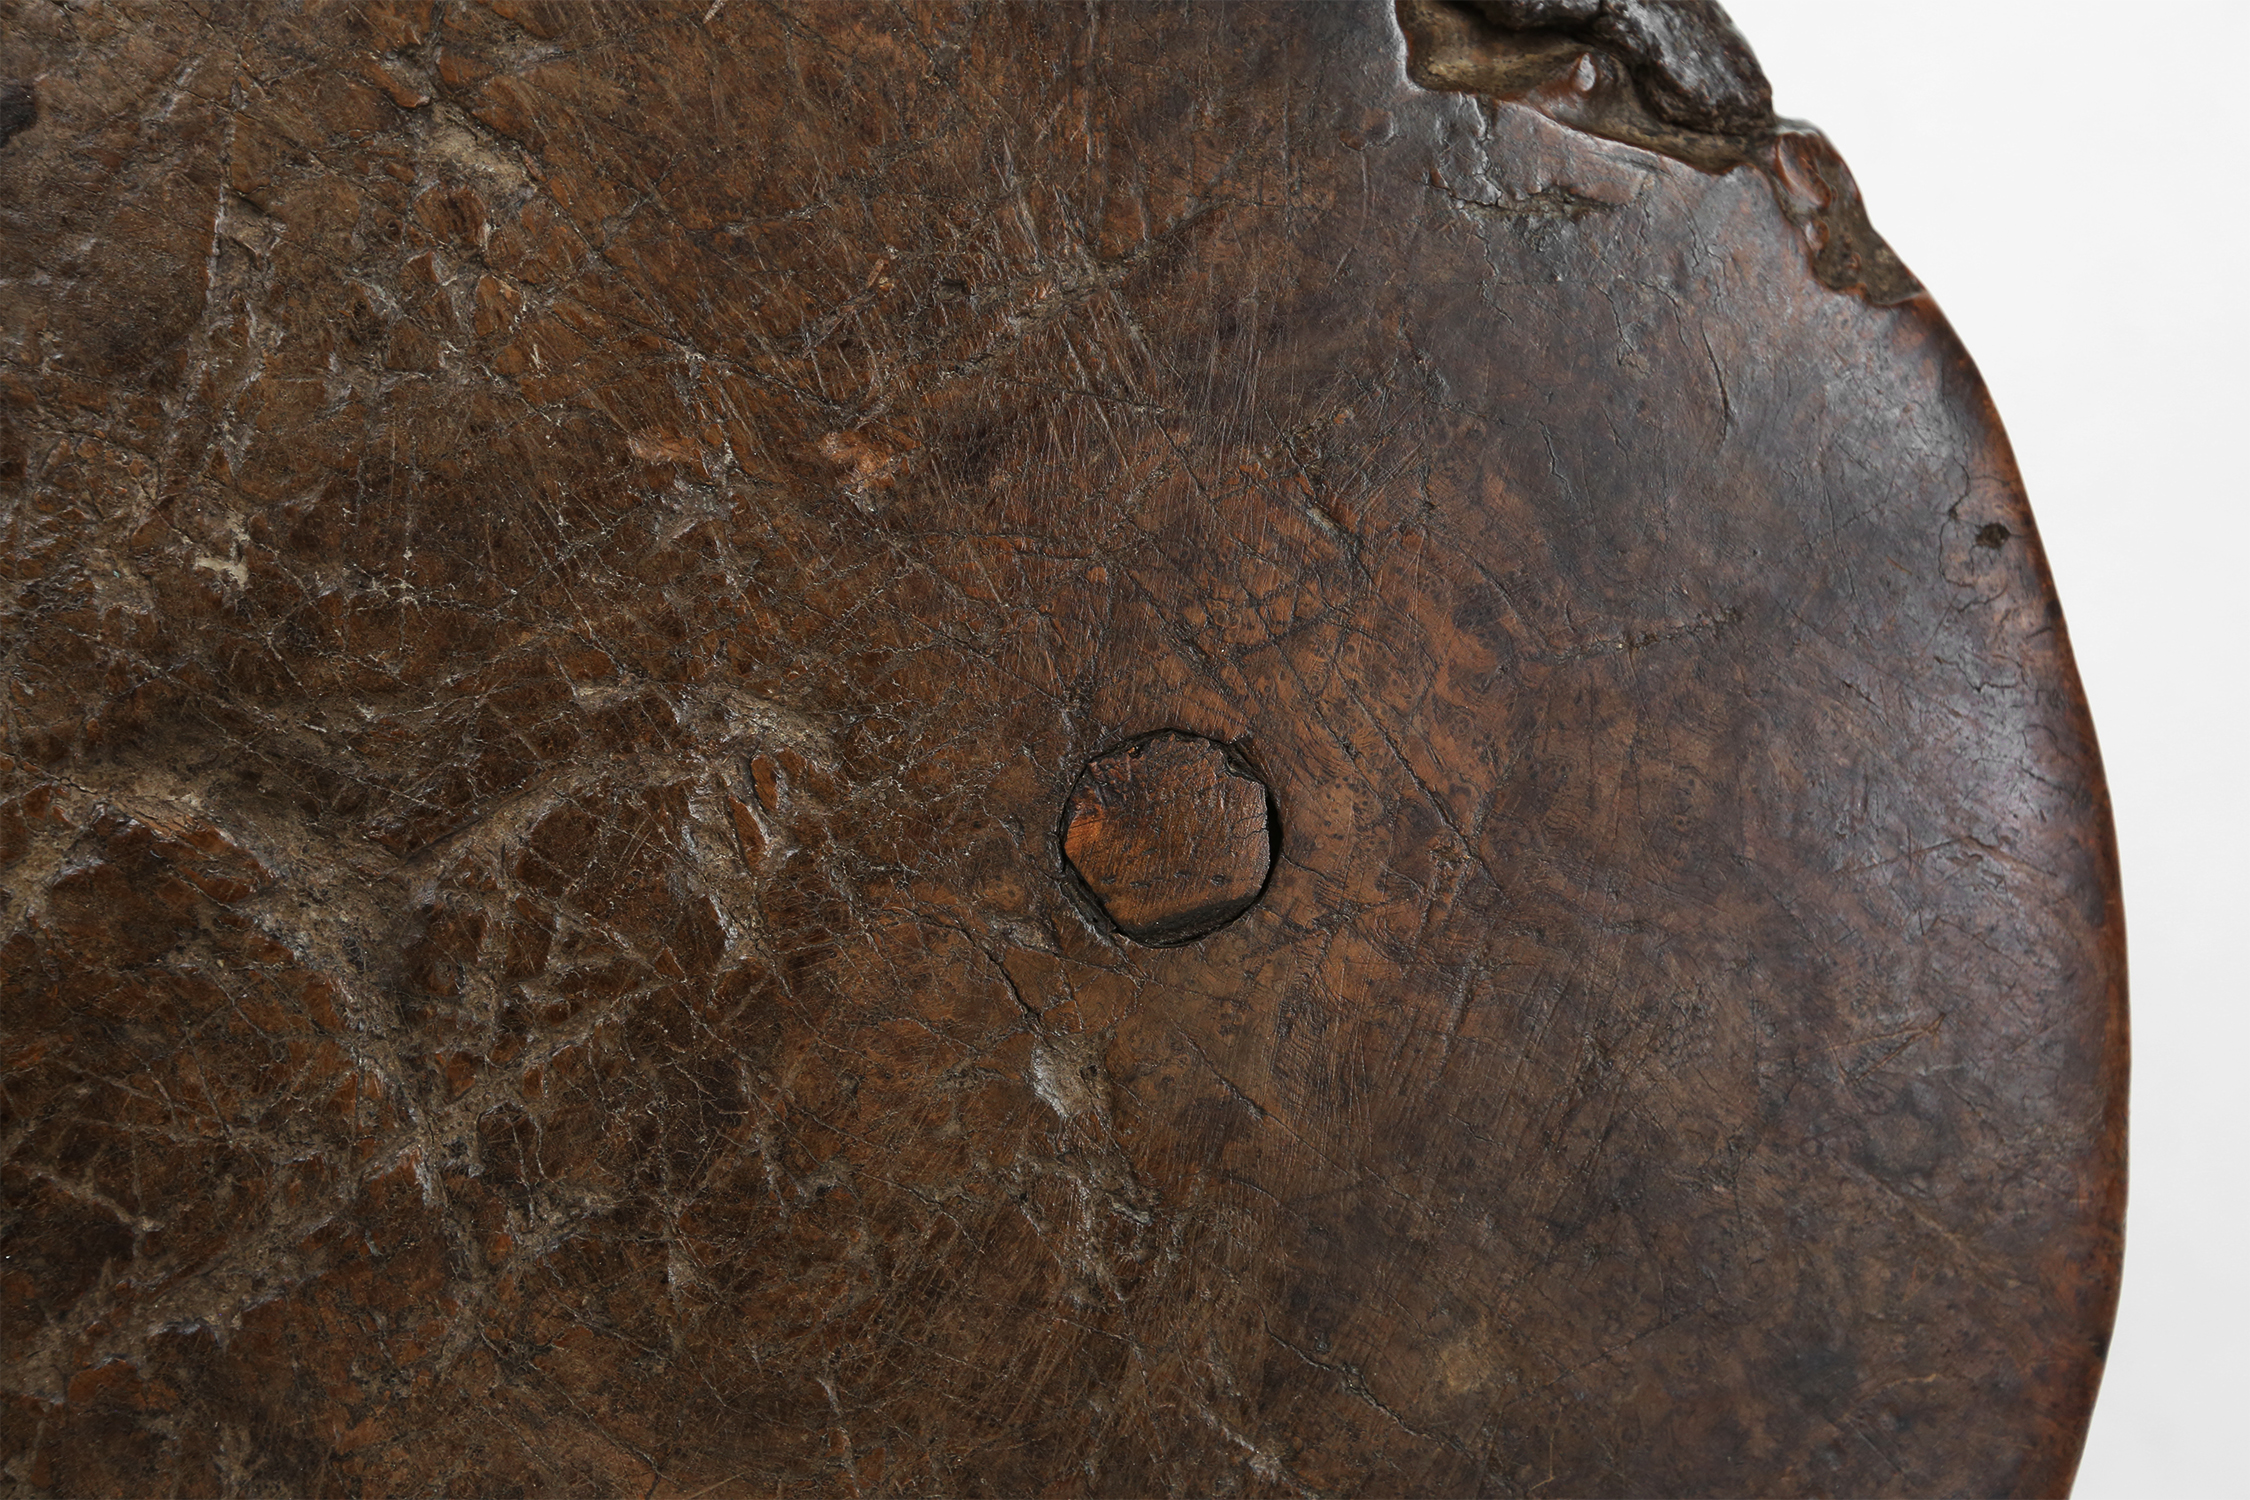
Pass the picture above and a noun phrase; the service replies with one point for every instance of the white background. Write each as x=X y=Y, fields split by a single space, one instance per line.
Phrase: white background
x=2069 y=179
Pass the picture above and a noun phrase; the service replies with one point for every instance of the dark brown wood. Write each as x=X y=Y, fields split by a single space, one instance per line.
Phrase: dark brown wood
x=566 y=565
x=1172 y=840
x=1688 y=62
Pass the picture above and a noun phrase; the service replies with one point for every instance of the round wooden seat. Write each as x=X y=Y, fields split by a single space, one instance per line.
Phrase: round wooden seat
x=818 y=748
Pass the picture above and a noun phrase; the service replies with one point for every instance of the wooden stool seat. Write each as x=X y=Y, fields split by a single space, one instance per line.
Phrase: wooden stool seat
x=788 y=748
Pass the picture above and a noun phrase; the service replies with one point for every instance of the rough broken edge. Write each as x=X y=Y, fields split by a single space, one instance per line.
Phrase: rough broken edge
x=1586 y=85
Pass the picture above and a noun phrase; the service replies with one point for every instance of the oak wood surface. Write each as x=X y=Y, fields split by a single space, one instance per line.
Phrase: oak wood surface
x=567 y=563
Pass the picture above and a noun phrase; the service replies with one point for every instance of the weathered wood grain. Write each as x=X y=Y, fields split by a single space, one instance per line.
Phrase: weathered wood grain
x=1171 y=839
x=565 y=564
